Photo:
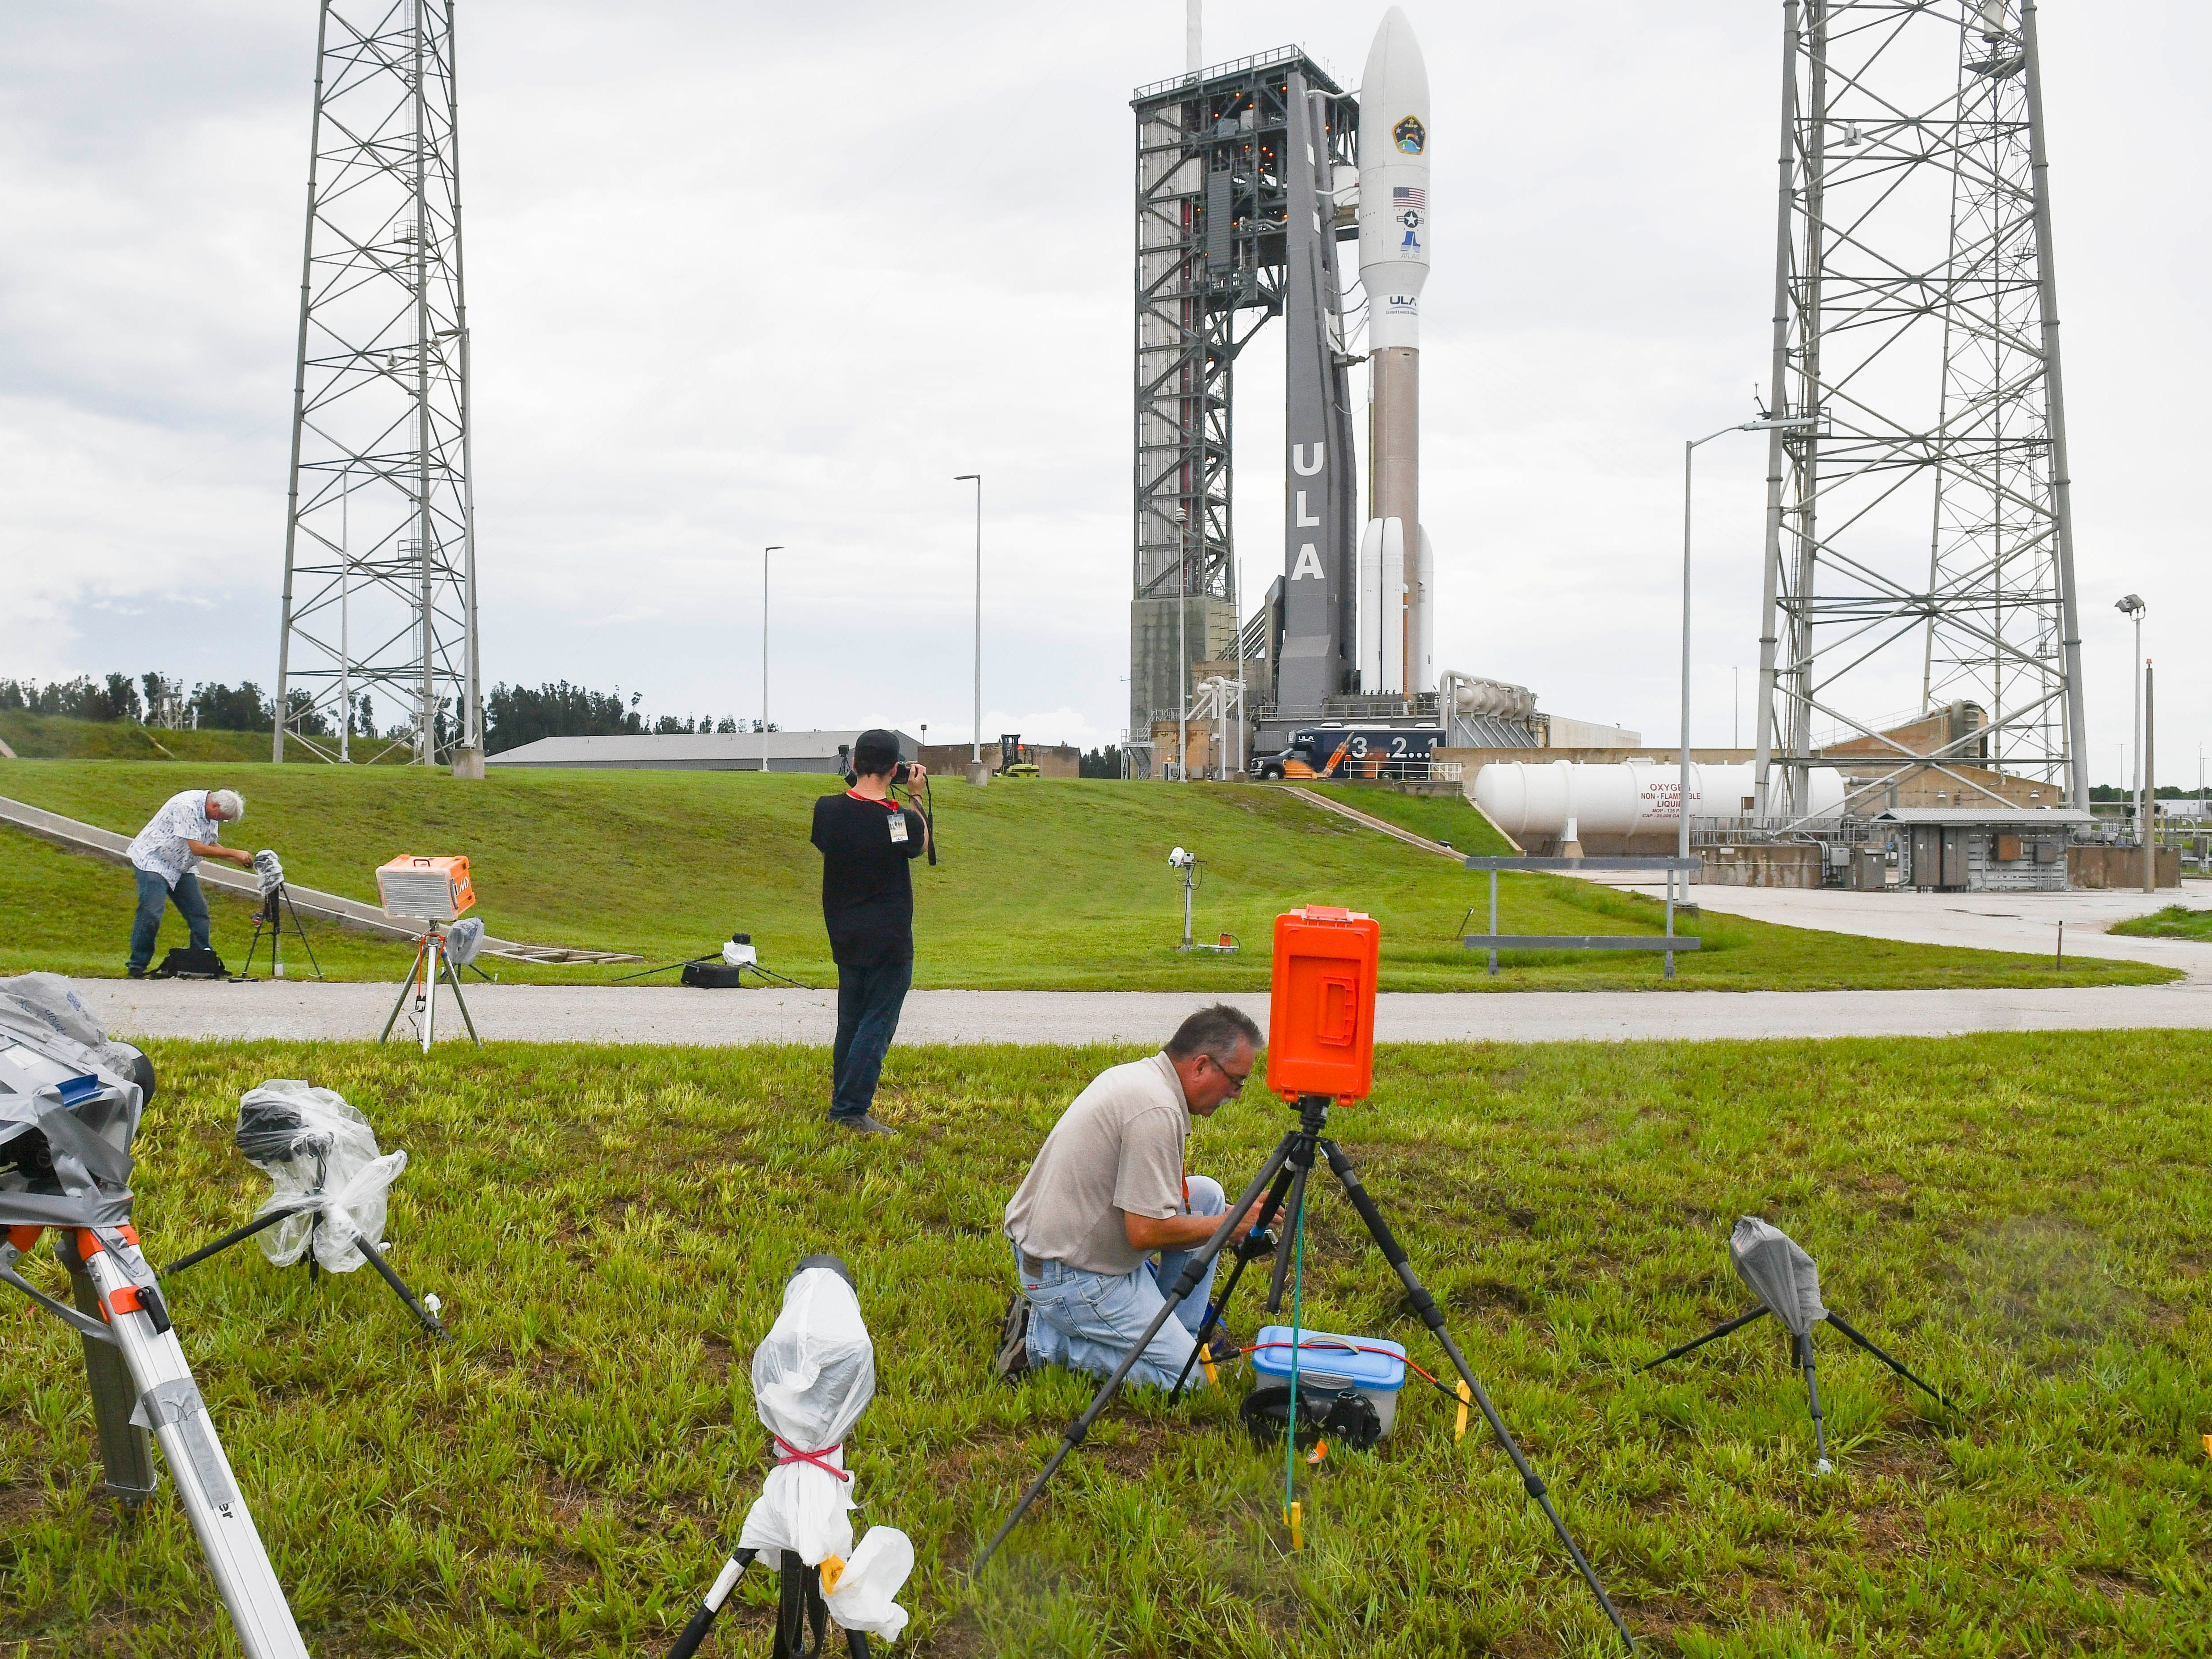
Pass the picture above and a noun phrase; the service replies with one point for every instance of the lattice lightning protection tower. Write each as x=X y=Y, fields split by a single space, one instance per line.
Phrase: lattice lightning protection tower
x=379 y=549
x=1919 y=535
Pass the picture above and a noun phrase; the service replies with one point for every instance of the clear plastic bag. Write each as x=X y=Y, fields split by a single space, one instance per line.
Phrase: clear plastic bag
x=813 y=1375
x=321 y=1159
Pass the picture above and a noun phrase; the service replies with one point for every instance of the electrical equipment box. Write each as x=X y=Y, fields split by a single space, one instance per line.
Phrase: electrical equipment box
x=1321 y=1035
x=423 y=888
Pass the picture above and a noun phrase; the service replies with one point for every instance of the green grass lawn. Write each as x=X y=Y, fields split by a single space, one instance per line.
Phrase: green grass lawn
x=1043 y=884
x=2175 y=921
x=2022 y=1218
x=56 y=737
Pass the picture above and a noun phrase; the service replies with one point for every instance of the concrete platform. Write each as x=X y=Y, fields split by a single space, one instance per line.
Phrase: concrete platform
x=667 y=1014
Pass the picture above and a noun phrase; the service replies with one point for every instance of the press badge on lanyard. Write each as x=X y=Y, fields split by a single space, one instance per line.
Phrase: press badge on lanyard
x=898 y=821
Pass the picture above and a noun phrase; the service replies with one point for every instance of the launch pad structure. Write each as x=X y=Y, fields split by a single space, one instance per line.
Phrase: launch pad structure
x=379 y=601
x=1214 y=262
x=1919 y=532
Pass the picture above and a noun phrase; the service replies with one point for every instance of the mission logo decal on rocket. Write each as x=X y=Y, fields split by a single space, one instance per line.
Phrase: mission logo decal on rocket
x=1409 y=135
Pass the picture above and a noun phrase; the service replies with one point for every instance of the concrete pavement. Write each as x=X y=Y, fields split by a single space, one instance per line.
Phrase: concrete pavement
x=669 y=1014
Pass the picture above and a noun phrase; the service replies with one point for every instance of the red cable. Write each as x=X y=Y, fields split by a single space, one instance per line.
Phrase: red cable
x=813 y=1457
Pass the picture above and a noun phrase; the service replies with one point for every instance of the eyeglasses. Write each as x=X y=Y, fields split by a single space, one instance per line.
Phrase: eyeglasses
x=1236 y=1080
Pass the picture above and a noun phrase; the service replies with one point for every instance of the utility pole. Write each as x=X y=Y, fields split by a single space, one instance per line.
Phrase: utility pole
x=976 y=771
x=2150 y=784
x=765 y=551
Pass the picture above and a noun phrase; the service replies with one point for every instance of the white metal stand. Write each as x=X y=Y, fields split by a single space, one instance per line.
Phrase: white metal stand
x=430 y=960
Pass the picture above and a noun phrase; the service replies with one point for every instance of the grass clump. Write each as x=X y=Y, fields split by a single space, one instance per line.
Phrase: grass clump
x=2021 y=1219
x=2174 y=921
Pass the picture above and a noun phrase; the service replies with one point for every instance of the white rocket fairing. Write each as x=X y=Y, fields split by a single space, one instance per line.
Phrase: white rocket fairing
x=1393 y=266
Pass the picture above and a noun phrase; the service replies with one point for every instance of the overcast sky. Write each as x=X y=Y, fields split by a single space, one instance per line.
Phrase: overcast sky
x=742 y=274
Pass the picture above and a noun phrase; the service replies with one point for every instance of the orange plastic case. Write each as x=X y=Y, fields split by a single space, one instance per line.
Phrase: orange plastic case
x=1321 y=1037
x=426 y=889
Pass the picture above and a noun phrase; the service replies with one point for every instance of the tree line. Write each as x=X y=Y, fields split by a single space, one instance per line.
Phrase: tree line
x=514 y=715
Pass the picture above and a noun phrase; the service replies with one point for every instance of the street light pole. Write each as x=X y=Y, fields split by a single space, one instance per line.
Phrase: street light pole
x=1690 y=448
x=765 y=551
x=976 y=754
x=2131 y=606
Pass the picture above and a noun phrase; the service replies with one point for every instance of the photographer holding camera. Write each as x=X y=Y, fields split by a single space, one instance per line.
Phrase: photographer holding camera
x=867 y=838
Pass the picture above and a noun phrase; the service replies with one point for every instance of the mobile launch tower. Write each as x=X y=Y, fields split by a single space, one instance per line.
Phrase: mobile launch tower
x=379 y=543
x=1919 y=534
x=1217 y=254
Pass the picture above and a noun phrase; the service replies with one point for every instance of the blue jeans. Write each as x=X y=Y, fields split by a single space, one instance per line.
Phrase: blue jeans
x=1089 y=1321
x=154 y=893
x=868 y=1002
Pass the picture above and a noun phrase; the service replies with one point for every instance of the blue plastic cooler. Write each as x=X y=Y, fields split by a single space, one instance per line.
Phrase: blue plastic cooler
x=1330 y=1361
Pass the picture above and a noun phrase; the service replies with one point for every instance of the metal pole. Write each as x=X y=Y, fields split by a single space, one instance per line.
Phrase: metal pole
x=1682 y=777
x=2150 y=783
x=976 y=753
x=2135 y=727
x=2062 y=485
x=345 y=615
x=426 y=753
x=1778 y=373
x=765 y=551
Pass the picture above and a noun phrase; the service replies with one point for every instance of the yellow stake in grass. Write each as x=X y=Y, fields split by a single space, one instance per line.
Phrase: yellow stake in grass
x=1466 y=1398
x=1295 y=1516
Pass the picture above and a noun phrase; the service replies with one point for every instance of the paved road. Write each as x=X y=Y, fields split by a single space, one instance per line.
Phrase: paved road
x=667 y=1014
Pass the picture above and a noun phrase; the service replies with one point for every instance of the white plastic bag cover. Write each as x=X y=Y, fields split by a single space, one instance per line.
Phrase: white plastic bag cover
x=1782 y=1275
x=862 y=1600
x=332 y=1158
x=33 y=1004
x=813 y=1375
x=463 y=940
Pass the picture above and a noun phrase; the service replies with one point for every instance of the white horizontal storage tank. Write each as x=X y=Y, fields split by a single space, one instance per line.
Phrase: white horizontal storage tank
x=1636 y=797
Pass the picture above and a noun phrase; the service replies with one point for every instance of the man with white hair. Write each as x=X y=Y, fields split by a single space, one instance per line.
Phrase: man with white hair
x=164 y=855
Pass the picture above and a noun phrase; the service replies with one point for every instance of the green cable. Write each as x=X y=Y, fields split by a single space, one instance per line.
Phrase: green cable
x=1297 y=1293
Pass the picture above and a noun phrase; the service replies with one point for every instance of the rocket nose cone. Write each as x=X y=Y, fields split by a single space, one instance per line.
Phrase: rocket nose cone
x=1395 y=54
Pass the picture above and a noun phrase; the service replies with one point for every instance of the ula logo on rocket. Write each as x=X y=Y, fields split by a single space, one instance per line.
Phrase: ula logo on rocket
x=1409 y=136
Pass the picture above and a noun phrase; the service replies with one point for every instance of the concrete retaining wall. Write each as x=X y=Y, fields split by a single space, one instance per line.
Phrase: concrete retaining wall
x=2120 y=866
x=1787 y=865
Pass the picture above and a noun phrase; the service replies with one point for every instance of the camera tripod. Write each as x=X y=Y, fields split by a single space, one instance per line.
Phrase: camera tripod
x=369 y=1254
x=275 y=902
x=431 y=959
x=802 y=1618
x=139 y=1381
x=1283 y=1179
x=1800 y=1359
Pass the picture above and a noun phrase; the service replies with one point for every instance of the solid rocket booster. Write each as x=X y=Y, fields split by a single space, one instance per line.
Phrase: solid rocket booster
x=1393 y=265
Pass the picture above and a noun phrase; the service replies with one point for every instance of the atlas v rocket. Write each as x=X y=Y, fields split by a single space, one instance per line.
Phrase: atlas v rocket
x=1397 y=568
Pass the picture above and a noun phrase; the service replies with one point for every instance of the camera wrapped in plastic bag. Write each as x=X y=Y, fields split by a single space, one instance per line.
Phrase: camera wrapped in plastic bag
x=813 y=1375
x=323 y=1162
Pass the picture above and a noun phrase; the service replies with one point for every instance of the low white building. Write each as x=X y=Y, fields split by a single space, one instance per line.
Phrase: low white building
x=696 y=751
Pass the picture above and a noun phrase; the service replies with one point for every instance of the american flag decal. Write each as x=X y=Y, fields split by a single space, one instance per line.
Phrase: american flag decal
x=1405 y=196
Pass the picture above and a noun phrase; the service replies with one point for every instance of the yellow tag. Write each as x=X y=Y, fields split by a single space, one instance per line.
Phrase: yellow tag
x=833 y=1569
x=2208 y=1445
x=1205 y=1359
x=1297 y=1515
x=1465 y=1398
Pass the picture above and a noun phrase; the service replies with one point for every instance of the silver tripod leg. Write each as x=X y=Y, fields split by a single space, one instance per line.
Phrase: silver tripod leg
x=406 y=986
x=169 y=1403
x=432 y=949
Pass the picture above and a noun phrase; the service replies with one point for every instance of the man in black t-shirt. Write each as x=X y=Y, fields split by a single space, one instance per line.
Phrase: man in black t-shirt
x=866 y=841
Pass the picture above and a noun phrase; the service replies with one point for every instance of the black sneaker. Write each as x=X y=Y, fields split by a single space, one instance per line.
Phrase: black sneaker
x=863 y=1125
x=135 y=973
x=1013 y=1356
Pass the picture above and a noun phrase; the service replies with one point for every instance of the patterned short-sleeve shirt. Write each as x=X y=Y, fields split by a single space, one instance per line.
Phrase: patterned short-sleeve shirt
x=160 y=847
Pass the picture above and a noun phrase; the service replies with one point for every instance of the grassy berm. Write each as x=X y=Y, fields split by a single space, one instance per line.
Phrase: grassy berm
x=2021 y=1218
x=1044 y=885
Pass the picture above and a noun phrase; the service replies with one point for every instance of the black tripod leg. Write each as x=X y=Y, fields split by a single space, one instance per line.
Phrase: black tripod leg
x=1219 y=1305
x=1712 y=1336
x=1804 y=1345
x=701 y=1619
x=236 y=1236
x=1185 y=1282
x=1286 y=1244
x=405 y=986
x=1432 y=1316
x=375 y=1259
x=1837 y=1320
x=302 y=931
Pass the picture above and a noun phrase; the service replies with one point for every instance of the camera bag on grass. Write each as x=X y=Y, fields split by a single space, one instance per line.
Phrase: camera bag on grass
x=712 y=976
x=190 y=961
x=1346 y=1417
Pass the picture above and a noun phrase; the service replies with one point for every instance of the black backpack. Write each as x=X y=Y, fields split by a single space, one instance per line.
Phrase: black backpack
x=712 y=976
x=190 y=961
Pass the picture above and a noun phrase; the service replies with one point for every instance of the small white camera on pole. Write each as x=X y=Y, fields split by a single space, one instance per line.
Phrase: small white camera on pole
x=1186 y=862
